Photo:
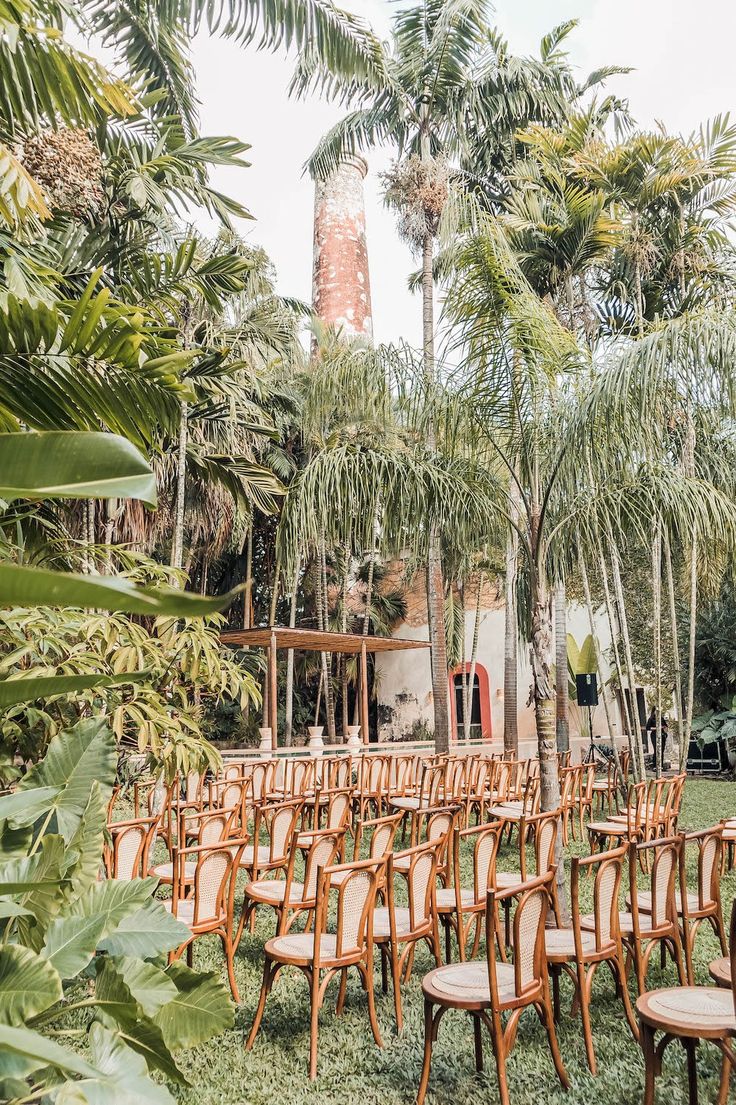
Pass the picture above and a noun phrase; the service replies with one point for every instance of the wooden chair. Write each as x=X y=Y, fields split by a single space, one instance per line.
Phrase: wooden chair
x=605 y=790
x=542 y=828
x=579 y=952
x=429 y=793
x=287 y=897
x=398 y=929
x=209 y=908
x=372 y=785
x=489 y=989
x=477 y=795
x=382 y=832
x=337 y=805
x=207 y=827
x=583 y=798
x=618 y=829
x=705 y=904
x=321 y=955
x=127 y=856
x=434 y=824
x=642 y=932
x=459 y=908
x=690 y=1014
x=277 y=823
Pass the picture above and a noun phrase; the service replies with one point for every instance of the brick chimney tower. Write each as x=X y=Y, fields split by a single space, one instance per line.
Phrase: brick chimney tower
x=341 y=290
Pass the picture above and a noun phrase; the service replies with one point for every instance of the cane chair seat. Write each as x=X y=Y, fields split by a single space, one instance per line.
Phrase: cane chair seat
x=405 y=802
x=508 y=811
x=720 y=971
x=183 y=911
x=505 y=879
x=699 y=1011
x=446 y=900
x=625 y=921
x=164 y=872
x=274 y=890
x=644 y=898
x=250 y=853
x=560 y=943
x=609 y=828
x=382 y=924
x=298 y=948
x=466 y=984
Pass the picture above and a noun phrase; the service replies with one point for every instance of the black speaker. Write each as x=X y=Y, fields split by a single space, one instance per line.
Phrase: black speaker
x=587 y=688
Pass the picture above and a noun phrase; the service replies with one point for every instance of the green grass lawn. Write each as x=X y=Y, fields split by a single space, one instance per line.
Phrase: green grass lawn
x=352 y=1069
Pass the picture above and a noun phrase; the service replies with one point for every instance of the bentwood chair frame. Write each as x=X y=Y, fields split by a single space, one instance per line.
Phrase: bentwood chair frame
x=372 y=785
x=503 y=988
x=542 y=828
x=398 y=930
x=659 y=926
x=625 y=827
x=690 y=1014
x=579 y=952
x=279 y=820
x=321 y=956
x=208 y=910
x=288 y=898
x=382 y=835
x=434 y=824
x=206 y=827
x=127 y=855
x=460 y=908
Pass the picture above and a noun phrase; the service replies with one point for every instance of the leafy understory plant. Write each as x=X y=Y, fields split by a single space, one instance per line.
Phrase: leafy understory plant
x=718 y=725
x=88 y=1008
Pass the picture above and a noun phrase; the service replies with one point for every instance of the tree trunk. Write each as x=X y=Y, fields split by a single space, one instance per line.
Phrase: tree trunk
x=248 y=592
x=323 y=623
x=343 y=660
x=435 y=582
x=675 y=642
x=467 y=715
x=561 y=678
x=177 y=545
x=289 y=704
x=690 y=652
x=657 y=644
x=510 y=661
x=637 y=751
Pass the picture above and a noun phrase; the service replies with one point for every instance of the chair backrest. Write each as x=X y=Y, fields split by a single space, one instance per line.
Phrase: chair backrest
x=299 y=778
x=215 y=827
x=709 y=844
x=527 y=936
x=232 y=771
x=323 y=851
x=131 y=843
x=503 y=778
x=373 y=774
x=279 y=821
x=339 y=804
x=664 y=854
x=432 y=784
x=637 y=796
x=421 y=879
x=383 y=832
x=608 y=868
x=340 y=773
x=215 y=865
x=262 y=779
x=356 y=898
x=193 y=788
x=544 y=827
x=485 y=840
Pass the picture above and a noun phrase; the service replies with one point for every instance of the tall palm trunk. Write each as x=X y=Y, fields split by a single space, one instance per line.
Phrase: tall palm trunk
x=510 y=656
x=675 y=642
x=637 y=749
x=323 y=623
x=468 y=707
x=561 y=688
x=289 y=693
x=343 y=660
x=684 y=748
x=177 y=545
x=657 y=643
x=248 y=592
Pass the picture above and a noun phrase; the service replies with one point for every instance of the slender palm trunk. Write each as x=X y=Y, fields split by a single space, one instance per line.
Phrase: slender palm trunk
x=657 y=643
x=435 y=581
x=343 y=660
x=675 y=641
x=690 y=652
x=562 y=695
x=467 y=715
x=248 y=592
x=111 y=506
x=177 y=546
x=289 y=703
x=637 y=751
x=615 y=631
x=326 y=657
x=510 y=657
x=89 y=535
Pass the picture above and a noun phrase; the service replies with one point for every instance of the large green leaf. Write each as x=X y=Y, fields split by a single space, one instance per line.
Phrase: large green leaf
x=116 y=1002
x=75 y=759
x=87 y=843
x=150 y=985
x=202 y=1008
x=24 y=809
x=32 y=688
x=149 y=932
x=28 y=984
x=70 y=943
x=23 y=586
x=124 y=1076
x=24 y=1050
x=72 y=465
x=112 y=899
x=36 y=883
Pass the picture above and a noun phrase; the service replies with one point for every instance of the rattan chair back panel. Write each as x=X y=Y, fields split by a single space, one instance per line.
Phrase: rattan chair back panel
x=485 y=852
x=280 y=824
x=356 y=897
x=321 y=854
x=129 y=848
x=214 y=827
x=210 y=883
x=421 y=884
x=262 y=779
x=664 y=870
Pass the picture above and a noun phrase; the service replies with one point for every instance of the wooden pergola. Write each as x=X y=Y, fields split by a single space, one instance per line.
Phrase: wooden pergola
x=274 y=638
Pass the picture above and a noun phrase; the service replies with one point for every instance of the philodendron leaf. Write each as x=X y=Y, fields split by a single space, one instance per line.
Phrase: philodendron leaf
x=13 y=691
x=22 y=809
x=148 y=932
x=117 y=1004
x=70 y=943
x=124 y=1076
x=75 y=759
x=28 y=984
x=73 y=465
x=87 y=842
x=36 y=884
x=201 y=1009
x=23 y=586
x=113 y=900
x=22 y=1051
x=149 y=985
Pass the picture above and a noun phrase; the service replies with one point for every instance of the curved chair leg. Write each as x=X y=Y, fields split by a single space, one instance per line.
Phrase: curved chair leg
x=268 y=975
x=313 y=1023
x=367 y=974
x=396 y=979
x=583 y=992
x=229 y=960
x=544 y=1008
x=342 y=991
x=478 y=1041
x=430 y=1029
x=646 y=1039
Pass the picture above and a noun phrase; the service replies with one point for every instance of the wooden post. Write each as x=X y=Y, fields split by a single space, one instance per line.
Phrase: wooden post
x=364 y=692
x=273 y=692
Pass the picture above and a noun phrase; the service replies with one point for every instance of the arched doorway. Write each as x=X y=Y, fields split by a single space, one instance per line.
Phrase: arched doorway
x=480 y=703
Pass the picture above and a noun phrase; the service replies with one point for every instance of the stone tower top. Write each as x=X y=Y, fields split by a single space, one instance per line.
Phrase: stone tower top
x=341 y=290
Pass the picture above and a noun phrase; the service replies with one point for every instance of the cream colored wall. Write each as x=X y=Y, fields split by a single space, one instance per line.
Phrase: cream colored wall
x=405 y=685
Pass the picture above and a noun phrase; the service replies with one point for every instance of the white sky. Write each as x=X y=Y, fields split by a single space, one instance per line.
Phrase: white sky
x=684 y=74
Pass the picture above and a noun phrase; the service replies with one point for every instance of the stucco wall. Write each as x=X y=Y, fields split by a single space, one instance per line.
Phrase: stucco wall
x=405 y=687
